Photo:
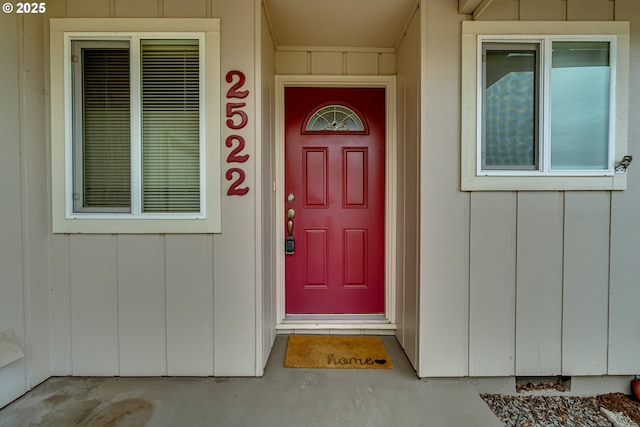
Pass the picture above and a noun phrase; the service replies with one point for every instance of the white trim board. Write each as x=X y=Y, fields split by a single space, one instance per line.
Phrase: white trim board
x=336 y=324
x=284 y=322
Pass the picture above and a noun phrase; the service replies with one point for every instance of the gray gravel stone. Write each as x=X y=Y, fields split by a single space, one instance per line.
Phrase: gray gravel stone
x=546 y=411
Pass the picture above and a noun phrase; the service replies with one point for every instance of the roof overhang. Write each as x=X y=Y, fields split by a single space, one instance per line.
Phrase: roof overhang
x=473 y=7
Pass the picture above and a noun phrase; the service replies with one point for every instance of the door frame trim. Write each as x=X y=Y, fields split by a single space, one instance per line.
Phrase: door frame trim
x=389 y=84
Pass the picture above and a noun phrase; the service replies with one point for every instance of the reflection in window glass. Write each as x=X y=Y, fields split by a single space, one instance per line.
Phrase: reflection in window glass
x=510 y=99
x=580 y=105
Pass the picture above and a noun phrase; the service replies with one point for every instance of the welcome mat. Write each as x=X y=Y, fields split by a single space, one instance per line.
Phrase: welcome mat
x=336 y=352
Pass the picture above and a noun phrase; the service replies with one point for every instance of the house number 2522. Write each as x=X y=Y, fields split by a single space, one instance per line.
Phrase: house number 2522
x=236 y=119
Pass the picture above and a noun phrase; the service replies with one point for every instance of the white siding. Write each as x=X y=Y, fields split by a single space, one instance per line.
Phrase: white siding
x=269 y=204
x=586 y=283
x=492 y=284
x=575 y=264
x=94 y=305
x=407 y=299
x=624 y=293
x=34 y=198
x=539 y=283
x=362 y=63
x=334 y=61
x=13 y=377
x=541 y=10
x=327 y=63
x=59 y=273
x=137 y=9
x=183 y=9
x=156 y=304
x=189 y=282
x=590 y=10
x=24 y=290
x=444 y=211
x=90 y=9
x=489 y=284
x=141 y=306
x=236 y=304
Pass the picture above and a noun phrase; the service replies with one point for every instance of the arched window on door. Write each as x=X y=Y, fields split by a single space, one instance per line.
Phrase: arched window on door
x=335 y=117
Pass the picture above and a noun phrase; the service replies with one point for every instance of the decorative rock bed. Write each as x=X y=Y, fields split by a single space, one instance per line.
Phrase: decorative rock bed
x=548 y=411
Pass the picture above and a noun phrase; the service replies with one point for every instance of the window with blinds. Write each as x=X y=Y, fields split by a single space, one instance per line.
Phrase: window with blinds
x=103 y=149
x=170 y=126
x=137 y=126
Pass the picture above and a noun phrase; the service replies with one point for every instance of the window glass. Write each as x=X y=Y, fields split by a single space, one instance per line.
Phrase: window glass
x=170 y=126
x=335 y=118
x=103 y=177
x=169 y=105
x=510 y=99
x=580 y=105
x=135 y=125
x=566 y=112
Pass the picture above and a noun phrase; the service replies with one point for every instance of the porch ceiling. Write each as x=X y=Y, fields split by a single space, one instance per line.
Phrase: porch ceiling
x=339 y=23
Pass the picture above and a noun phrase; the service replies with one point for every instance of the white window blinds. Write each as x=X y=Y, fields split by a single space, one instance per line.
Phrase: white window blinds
x=103 y=177
x=138 y=152
x=170 y=126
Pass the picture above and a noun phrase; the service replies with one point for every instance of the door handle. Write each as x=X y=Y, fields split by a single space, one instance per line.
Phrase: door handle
x=289 y=244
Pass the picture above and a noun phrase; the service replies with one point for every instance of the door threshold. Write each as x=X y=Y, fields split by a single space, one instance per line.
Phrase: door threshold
x=374 y=324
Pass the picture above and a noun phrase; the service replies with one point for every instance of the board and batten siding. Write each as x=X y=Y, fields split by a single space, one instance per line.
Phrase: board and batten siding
x=624 y=271
x=24 y=306
x=494 y=284
x=156 y=304
x=408 y=167
x=553 y=276
x=444 y=209
x=13 y=377
x=269 y=204
x=132 y=305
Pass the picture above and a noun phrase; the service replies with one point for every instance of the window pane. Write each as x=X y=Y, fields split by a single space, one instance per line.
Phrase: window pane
x=170 y=126
x=104 y=182
x=510 y=99
x=580 y=105
x=335 y=118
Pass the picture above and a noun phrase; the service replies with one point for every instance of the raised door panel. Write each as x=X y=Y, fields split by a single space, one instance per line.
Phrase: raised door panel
x=355 y=184
x=315 y=177
x=316 y=257
x=355 y=257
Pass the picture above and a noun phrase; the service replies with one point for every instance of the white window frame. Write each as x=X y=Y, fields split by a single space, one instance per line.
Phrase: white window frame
x=63 y=32
x=474 y=35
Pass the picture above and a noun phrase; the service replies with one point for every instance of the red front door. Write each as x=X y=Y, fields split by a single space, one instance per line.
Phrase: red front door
x=334 y=182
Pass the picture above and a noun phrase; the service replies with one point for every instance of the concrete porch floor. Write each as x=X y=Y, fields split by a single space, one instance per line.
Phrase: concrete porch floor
x=282 y=397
